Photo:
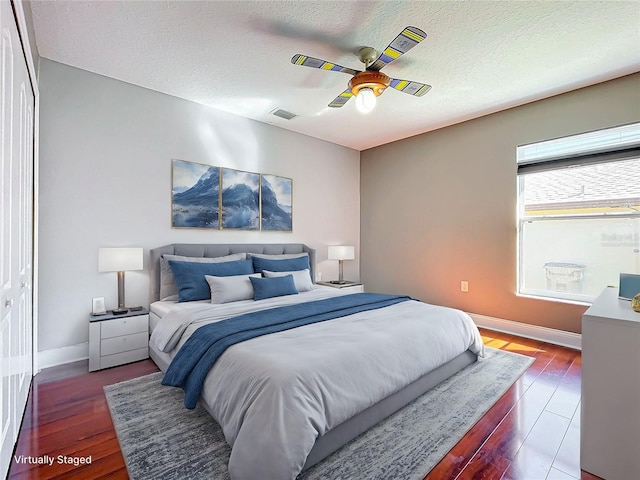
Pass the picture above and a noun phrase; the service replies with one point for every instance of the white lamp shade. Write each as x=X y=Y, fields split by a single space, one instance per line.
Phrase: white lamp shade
x=119 y=259
x=341 y=252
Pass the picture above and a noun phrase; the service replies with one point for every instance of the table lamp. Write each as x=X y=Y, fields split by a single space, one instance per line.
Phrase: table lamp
x=341 y=253
x=119 y=260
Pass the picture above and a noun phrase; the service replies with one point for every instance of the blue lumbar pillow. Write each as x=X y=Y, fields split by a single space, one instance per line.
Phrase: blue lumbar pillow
x=284 y=265
x=273 y=287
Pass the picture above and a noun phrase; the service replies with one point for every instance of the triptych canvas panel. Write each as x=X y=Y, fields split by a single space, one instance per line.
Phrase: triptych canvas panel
x=203 y=196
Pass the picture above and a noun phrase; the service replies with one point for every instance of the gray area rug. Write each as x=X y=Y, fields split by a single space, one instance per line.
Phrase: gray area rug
x=160 y=438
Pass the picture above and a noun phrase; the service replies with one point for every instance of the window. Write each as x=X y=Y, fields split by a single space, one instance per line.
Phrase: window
x=578 y=213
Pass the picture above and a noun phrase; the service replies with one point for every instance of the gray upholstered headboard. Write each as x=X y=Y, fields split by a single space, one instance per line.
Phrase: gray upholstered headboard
x=220 y=250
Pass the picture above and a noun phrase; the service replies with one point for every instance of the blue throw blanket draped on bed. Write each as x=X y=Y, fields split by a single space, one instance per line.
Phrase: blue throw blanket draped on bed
x=193 y=361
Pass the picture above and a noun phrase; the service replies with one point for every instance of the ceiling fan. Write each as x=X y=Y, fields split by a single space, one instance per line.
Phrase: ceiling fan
x=368 y=84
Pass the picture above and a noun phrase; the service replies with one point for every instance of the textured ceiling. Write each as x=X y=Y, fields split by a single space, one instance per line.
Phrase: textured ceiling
x=479 y=56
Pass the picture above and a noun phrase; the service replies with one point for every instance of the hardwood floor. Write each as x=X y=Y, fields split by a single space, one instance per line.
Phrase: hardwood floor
x=69 y=416
x=532 y=432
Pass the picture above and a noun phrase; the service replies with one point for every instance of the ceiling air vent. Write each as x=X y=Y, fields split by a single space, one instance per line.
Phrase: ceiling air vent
x=278 y=112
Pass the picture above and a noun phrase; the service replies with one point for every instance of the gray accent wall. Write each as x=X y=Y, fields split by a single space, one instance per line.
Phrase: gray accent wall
x=105 y=181
x=440 y=207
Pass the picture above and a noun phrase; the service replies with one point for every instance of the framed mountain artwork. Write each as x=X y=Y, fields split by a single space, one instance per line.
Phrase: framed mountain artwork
x=195 y=195
x=240 y=200
x=276 y=195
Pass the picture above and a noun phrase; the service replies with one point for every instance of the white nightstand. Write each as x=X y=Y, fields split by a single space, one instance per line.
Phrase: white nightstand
x=118 y=339
x=351 y=287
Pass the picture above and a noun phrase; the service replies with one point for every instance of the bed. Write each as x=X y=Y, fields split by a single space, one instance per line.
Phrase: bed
x=333 y=380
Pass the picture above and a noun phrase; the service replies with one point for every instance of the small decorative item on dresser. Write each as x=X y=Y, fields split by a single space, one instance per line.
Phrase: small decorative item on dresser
x=98 y=306
x=635 y=303
x=629 y=285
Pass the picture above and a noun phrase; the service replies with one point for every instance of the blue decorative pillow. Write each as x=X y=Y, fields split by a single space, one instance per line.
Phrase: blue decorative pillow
x=190 y=276
x=284 y=265
x=273 y=287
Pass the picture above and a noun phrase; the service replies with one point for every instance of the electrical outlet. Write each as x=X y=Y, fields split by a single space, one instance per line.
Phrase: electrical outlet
x=464 y=286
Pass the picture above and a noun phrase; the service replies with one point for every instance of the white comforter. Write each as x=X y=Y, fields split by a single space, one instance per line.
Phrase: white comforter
x=274 y=395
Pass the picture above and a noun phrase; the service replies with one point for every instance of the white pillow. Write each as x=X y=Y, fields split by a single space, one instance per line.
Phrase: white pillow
x=301 y=278
x=168 y=287
x=231 y=289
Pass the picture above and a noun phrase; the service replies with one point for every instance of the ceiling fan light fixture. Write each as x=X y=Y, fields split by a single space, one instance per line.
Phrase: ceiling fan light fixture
x=372 y=78
x=376 y=81
x=366 y=86
x=365 y=100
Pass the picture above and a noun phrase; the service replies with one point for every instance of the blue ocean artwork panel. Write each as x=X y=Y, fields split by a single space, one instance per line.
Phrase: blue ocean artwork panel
x=240 y=199
x=277 y=203
x=195 y=193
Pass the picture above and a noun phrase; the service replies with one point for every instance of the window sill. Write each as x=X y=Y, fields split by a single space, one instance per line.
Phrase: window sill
x=532 y=296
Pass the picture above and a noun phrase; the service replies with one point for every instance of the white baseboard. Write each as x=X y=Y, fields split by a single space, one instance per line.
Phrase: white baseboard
x=62 y=355
x=550 y=335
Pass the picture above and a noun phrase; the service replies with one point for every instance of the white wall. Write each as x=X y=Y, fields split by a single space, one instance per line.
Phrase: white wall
x=105 y=181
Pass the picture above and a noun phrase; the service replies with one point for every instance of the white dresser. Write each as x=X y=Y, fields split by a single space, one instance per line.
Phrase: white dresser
x=610 y=421
x=118 y=339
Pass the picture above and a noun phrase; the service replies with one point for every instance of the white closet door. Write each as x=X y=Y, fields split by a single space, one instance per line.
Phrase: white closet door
x=16 y=232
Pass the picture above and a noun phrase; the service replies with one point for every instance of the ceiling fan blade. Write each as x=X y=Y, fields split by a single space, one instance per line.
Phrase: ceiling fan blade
x=408 y=38
x=341 y=99
x=321 y=64
x=412 y=88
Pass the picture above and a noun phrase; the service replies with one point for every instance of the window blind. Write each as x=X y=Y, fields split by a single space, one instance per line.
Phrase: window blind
x=616 y=143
